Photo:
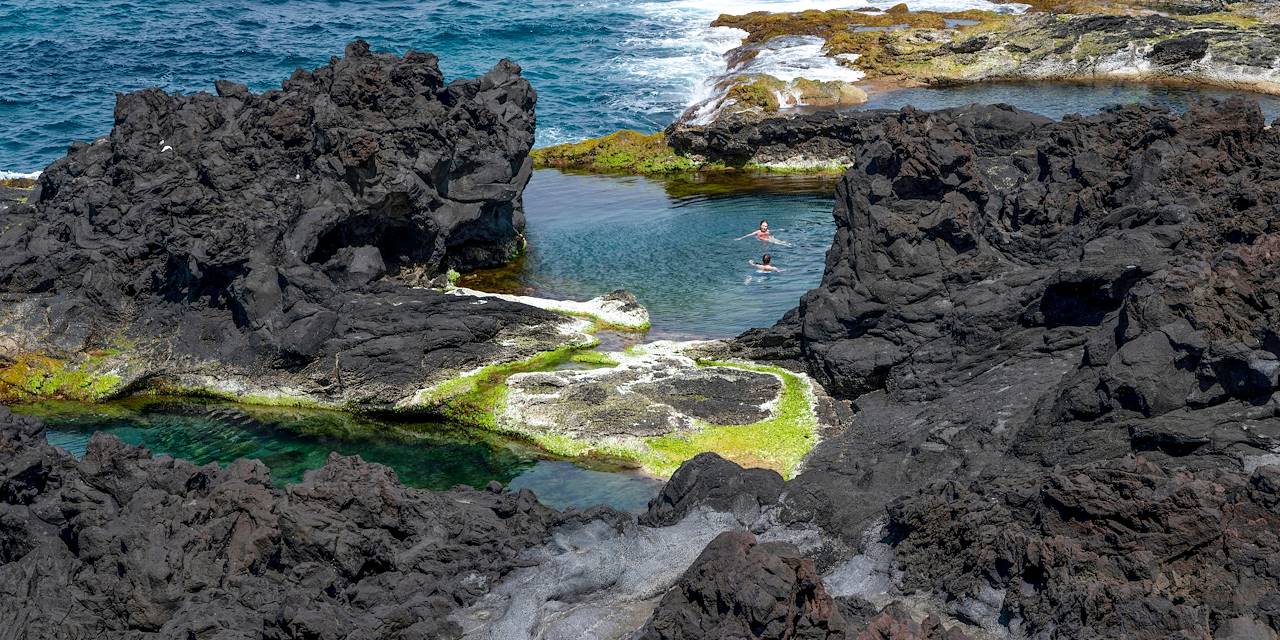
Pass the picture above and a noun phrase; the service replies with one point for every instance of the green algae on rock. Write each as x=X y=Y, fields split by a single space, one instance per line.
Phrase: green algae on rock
x=1233 y=45
x=623 y=151
x=92 y=378
x=652 y=405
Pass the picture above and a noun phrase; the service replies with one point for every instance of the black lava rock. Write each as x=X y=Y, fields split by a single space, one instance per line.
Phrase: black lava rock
x=258 y=237
x=123 y=545
x=739 y=589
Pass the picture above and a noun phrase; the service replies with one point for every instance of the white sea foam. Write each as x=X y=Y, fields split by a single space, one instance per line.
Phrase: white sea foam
x=800 y=57
x=694 y=52
x=13 y=175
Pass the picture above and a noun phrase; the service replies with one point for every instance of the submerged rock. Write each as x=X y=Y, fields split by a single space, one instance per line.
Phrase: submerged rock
x=248 y=243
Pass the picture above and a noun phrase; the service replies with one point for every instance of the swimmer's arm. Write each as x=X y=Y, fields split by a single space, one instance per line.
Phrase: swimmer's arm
x=749 y=235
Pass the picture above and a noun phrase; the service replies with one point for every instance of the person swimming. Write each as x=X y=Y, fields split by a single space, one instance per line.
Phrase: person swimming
x=763 y=235
x=765 y=265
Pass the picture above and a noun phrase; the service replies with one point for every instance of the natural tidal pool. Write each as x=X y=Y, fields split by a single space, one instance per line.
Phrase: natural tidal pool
x=673 y=243
x=293 y=441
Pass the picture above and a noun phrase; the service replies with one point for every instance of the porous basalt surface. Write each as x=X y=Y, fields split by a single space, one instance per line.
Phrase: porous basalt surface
x=123 y=545
x=646 y=397
x=247 y=243
x=1121 y=548
x=738 y=588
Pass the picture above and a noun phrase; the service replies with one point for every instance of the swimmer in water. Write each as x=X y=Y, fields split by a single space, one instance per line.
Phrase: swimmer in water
x=765 y=265
x=762 y=234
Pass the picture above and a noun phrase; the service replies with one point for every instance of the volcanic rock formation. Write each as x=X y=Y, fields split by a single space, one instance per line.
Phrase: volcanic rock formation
x=1055 y=349
x=248 y=242
x=123 y=545
x=1007 y=294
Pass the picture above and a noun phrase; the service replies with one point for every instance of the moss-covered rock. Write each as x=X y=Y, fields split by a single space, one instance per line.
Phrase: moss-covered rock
x=653 y=406
x=756 y=92
x=31 y=377
x=1232 y=45
x=623 y=151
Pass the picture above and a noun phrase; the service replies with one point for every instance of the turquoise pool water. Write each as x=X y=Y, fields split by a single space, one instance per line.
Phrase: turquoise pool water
x=674 y=244
x=293 y=441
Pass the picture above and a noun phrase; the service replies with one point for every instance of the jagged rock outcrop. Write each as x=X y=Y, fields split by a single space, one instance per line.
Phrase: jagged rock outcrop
x=124 y=545
x=739 y=588
x=1129 y=253
x=1006 y=295
x=1228 y=44
x=707 y=480
x=249 y=242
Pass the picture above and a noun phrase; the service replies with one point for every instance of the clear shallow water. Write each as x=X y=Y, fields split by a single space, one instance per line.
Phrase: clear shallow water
x=673 y=245
x=292 y=441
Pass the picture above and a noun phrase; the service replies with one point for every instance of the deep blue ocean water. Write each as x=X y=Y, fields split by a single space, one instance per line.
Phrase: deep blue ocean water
x=598 y=65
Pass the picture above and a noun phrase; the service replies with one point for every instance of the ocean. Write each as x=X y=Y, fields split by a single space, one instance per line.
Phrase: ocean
x=598 y=65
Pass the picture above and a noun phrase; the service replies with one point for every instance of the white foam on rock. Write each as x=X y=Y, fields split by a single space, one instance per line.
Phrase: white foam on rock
x=606 y=308
x=792 y=57
x=700 y=48
x=17 y=175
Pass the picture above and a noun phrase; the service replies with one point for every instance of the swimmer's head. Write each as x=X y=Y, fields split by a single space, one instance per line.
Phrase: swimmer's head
x=766 y=258
x=764 y=226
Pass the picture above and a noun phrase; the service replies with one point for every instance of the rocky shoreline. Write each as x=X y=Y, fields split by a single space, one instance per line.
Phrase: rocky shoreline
x=1198 y=43
x=1047 y=354
x=175 y=277
x=250 y=244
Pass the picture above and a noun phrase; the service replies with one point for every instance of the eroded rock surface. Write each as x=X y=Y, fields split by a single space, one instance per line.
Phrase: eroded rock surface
x=123 y=545
x=1008 y=296
x=1063 y=292
x=739 y=588
x=644 y=395
x=248 y=243
x=1121 y=548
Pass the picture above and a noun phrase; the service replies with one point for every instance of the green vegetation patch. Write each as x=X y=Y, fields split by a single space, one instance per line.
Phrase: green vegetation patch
x=477 y=399
x=623 y=151
x=594 y=358
x=166 y=388
x=38 y=377
x=757 y=91
x=779 y=443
